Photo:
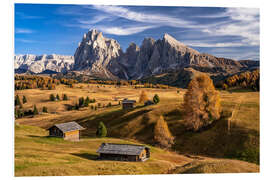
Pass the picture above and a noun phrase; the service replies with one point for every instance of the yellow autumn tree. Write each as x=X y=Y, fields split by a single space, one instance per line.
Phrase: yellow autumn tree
x=162 y=134
x=201 y=103
x=143 y=97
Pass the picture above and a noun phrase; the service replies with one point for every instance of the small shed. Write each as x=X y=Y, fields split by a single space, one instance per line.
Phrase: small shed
x=128 y=104
x=123 y=152
x=68 y=131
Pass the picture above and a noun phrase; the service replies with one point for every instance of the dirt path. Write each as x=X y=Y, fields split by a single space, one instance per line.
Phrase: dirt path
x=235 y=110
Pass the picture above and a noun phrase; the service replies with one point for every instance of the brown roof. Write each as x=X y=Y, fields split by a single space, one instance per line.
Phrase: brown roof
x=70 y=126
x=124 y=149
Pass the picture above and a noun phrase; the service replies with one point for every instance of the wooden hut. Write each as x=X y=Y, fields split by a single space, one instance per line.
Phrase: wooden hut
x=123 y=152
x=68 y=131
x=148 y=103
x=128 y=104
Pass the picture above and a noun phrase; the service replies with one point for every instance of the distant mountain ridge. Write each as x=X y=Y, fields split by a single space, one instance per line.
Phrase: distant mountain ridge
x=103 y=58
x=43 y=63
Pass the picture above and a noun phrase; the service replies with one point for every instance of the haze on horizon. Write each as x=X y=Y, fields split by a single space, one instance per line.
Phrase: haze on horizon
x=57 y=29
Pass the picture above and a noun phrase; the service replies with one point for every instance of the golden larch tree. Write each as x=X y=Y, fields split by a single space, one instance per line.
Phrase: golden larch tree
x=143 y=97
x=162 y=134
x=201 y=103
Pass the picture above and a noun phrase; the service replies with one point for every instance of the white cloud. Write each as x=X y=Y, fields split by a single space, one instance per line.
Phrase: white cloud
x=23 y=31
x=25 y=40
x=123 y=30
x=157 y=19
x=209 y=44
x=244 y=22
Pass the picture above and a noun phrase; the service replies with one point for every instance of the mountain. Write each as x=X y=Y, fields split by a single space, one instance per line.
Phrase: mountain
x=43 y=64
x=103 y=57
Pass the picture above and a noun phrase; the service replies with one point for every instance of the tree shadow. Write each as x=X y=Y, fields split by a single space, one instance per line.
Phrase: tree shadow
x=86 y=156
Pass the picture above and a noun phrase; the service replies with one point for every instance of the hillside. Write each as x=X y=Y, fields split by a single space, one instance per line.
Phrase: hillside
x=242 y=143
x=38 y=155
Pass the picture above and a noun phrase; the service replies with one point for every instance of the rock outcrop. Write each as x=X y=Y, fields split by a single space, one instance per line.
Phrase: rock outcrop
x=38 y=64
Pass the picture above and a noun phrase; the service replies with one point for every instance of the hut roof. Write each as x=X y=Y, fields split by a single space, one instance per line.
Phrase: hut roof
x=124 y=149
x=70 y=126
x=128 y=101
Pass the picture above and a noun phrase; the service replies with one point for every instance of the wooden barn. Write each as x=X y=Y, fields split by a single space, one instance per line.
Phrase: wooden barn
x=128 y=104
x=123 y=152
x=68 y=131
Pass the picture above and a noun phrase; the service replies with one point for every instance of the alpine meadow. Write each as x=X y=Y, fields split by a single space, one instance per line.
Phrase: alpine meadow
x=128 y=90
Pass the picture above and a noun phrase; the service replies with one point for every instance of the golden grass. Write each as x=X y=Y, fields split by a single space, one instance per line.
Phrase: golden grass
x=134 y=125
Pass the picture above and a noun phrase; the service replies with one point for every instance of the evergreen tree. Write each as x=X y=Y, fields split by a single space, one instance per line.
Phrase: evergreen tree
x=143 y=97
x=101 y=130
x=65 y=98
x=57 y=97
x=44 y=109
x=201 y=103
x=24 y=100
x=18 y=101
x=52 y=97
x=81 y=102
x=35 y=111
x=162 y=134
x=156 y=99
x=87 y=101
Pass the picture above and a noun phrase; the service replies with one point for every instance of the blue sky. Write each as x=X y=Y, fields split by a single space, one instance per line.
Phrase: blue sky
x=223 y=32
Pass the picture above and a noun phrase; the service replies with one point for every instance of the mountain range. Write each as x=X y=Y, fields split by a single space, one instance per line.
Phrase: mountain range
x=102 y=57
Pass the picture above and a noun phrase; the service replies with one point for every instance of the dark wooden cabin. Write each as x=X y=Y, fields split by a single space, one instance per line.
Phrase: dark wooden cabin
x=128 y=104
x=148 y=103
x=68 y=131
x=123 y=152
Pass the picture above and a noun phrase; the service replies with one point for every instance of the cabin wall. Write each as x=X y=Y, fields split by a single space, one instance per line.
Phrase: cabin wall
x=127 y=105
x=54 y=131
x=72 y=135
x=119 y=157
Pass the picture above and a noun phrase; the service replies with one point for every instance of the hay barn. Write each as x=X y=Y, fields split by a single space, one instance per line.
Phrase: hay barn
x=128 y=104
x=68 y=131
x=123 y=152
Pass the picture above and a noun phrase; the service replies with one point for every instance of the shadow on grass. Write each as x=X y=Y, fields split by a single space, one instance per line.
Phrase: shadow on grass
x=86 y=156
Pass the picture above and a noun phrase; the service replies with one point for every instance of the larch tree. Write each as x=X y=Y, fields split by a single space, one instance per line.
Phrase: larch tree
x=162 y=134
x=24 y=100
x=143 y=97
x=201 y=103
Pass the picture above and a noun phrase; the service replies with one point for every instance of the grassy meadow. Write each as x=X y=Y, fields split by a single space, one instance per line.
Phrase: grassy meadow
x=209 y=151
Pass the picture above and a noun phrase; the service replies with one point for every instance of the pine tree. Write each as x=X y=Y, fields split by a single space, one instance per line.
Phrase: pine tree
x=87 y=101
x=201 y=103
x=101 y=130
x=143 y=97
x=24 y=100
x=35 y=111
x=17 y=101
x=65 y=98
x=57 y=97
x=162 y=134
x=52 y=97
x=156 y=99
x=81 y=102
x=44 y=109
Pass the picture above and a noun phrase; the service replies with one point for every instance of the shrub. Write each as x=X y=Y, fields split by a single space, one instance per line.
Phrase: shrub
x=57 y=97
x=87 y=101
x=81 y=102
x=17 y=101
x=156 y=99
x=101 y=130
x=201 y=103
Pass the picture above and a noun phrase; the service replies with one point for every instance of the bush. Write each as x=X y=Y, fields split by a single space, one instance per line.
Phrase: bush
x=156 y=99
x=101 y=130
x=57 y=97
x=87 y=101
x=201 y=103
x=81 y=102
x=17 y=101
